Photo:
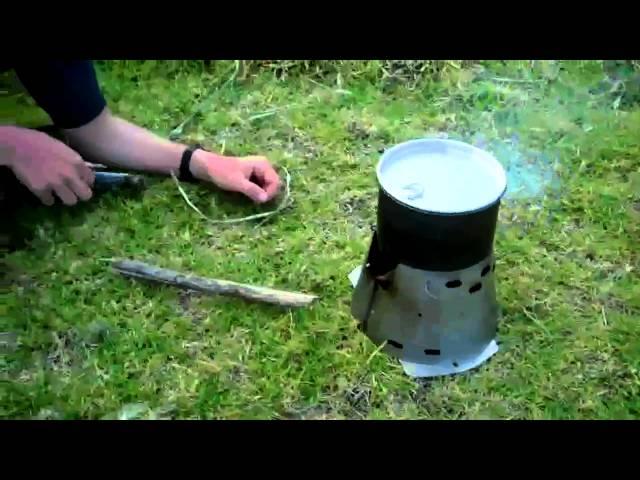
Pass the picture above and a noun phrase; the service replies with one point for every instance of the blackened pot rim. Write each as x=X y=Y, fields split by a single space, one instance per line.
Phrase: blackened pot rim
x=443 y=214
x=387 y=159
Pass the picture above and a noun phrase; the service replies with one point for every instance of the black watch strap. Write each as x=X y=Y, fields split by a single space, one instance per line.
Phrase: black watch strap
x=185 y=164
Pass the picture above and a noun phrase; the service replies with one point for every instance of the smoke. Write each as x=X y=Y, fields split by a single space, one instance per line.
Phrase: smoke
x=530 y=174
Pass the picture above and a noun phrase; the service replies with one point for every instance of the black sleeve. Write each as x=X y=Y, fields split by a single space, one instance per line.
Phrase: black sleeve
x=67 y=90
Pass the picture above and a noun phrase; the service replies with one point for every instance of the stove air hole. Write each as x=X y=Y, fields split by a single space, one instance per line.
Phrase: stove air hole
x=384 y=283
x=455 y=364
x=432 y=351
x=485 y=270
x=475 y=287
x=395 y=344
x=453 y=284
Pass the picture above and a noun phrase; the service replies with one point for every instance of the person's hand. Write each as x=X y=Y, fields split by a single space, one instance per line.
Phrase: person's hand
x=253 y=176
x=46 y=166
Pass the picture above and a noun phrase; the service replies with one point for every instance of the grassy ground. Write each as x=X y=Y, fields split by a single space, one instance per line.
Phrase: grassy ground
x=81 y=342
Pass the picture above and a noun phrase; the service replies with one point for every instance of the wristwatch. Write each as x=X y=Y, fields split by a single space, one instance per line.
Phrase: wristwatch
x=185 y=174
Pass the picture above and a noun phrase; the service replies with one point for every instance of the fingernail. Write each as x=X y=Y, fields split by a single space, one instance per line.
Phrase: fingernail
x=262 y=197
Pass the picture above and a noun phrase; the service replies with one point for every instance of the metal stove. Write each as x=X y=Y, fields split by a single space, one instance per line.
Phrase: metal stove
x=427 y=288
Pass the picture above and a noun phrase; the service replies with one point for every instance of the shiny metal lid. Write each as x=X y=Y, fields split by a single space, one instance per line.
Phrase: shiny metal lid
x=441 y=176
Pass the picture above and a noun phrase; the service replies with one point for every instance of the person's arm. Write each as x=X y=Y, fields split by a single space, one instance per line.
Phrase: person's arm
x=69 y=92
x=113 y=141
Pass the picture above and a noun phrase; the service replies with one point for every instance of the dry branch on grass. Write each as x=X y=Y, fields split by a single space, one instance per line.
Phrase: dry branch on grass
x=143 y=271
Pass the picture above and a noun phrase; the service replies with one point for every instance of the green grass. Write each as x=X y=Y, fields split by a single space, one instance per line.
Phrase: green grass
x=82 y=342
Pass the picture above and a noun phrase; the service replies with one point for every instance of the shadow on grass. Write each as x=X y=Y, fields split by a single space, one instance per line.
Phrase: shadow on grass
x=23 y=212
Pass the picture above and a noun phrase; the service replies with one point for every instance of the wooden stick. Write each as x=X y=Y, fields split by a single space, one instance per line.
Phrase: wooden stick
x=136 y=269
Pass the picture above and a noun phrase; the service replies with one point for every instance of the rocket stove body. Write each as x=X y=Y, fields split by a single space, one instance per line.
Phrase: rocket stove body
x=427 y=286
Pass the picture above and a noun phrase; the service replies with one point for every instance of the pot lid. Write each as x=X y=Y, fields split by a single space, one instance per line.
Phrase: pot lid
x=441 y=176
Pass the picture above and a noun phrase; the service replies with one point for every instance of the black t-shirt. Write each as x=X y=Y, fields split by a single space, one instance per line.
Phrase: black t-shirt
x=67 y=90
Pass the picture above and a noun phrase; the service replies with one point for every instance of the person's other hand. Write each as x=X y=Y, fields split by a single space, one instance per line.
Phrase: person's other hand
x=46 y=166
x=253 y=176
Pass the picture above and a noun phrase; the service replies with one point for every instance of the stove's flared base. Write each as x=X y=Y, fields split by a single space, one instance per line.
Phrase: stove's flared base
x=446 y=367
x=418 y=370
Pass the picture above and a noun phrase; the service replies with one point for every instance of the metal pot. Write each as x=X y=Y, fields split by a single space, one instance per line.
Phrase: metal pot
x=433 y=230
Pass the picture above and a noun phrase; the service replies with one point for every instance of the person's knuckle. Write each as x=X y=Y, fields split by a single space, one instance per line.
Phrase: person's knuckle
x=71 y=177
x=76 y=158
